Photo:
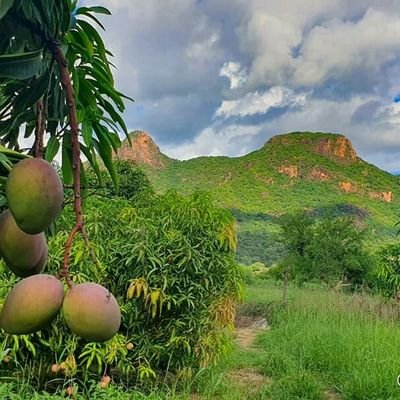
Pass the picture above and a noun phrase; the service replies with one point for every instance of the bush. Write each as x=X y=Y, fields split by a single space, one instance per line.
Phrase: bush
x=171 y=266
x=387 y=274
x=133 y=182
x=330 y=250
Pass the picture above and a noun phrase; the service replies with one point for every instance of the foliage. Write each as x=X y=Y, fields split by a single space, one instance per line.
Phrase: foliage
x=387 y=271
x=253 y=186
x=133 y=182
x=31 y=92
x=258 y=238
x=330 y=249
x=170 y=264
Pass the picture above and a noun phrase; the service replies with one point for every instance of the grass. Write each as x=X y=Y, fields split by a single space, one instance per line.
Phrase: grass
x=328 y=342
x=325 y=345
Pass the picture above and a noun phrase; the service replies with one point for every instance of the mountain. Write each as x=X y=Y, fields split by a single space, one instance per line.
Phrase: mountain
x=317 y=171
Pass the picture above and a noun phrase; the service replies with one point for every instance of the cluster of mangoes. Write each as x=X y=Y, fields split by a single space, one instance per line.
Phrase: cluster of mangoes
x=35 y=194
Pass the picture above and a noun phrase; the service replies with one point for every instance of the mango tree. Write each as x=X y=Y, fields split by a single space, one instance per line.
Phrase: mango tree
x=56 y=86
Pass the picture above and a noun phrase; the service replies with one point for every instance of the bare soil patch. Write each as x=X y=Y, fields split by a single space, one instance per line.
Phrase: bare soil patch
x=330 y=395
x=248 y=379
x=247 y=329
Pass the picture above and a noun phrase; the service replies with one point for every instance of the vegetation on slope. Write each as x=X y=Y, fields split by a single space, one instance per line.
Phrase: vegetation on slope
x=317 y=171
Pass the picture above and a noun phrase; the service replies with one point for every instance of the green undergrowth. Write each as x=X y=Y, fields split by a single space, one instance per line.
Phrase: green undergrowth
x=325 y=345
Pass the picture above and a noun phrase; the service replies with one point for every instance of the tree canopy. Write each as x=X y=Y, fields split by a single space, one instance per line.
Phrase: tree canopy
x=36 y=38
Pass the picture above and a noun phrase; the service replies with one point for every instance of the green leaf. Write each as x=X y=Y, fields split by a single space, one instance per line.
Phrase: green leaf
x=116 y=117
x=89 y=15
x=34 y=91
x=66 y=165
x=92 y=161
x=5 y=5
x=3 y=201
x=87 y=132
x=95 y=9
x=22 y=65
x=104 y=149
x=52 y=148
x=93 y=34
x=4 y=160
x=86 y=41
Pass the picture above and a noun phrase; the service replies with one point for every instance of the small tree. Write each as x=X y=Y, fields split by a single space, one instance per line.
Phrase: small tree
x=328 y=250
x=336 y=252
x=387 y=274
x=296 y=231
x=56 y=84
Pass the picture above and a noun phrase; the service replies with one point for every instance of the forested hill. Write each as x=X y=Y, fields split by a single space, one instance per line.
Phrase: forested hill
x=318 y=171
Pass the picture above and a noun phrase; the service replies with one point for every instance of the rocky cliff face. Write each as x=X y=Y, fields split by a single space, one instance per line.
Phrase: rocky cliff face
x=336 y=147
x=339 y=148
x=143 y=151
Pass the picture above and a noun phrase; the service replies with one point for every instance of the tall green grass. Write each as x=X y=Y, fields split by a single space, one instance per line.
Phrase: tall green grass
x=330 y=341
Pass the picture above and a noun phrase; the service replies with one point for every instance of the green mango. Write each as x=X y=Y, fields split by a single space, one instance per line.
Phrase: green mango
x=31 y=304
x=21 y=252
x=91 y=312
x=35 y=194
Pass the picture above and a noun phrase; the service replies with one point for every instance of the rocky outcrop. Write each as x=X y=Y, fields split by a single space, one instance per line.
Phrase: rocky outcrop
x=347 y=187
x=385 y=196
x=292 y=171
x=143 y=151
x=319 y=174
x=339 y=148
x=315 y=174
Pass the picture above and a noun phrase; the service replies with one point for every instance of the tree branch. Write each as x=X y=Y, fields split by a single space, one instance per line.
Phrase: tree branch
x=38 y=147
x=65 y=79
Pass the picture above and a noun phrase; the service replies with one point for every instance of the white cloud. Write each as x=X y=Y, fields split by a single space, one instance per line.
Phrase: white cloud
x=339 y=48
x=344 y=54
x=310 y=42
x=231 y=140
x=235 y=73
x=259 y=103
x=269 y=41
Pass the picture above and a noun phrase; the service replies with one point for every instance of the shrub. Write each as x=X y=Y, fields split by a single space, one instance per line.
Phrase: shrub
x=387 y=273
x=170 y=263
x=330 y=249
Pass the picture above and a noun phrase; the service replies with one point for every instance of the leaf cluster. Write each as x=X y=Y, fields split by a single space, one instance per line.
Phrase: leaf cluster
x=30 y=81
x=170 y=263
x=330 y=249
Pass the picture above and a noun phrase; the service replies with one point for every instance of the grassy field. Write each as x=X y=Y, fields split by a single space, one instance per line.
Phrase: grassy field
x=328 y=345
x=325 y=345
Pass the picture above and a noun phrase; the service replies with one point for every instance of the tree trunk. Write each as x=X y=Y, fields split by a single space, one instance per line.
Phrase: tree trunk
x=285 y=287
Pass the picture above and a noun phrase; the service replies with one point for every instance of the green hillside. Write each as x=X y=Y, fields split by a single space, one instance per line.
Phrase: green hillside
x=317 y=171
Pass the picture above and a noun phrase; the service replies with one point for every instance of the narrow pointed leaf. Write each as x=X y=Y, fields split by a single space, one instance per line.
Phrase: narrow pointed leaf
x=5 y=5
x=22 y=65
x=95 y=9
x=52 y=148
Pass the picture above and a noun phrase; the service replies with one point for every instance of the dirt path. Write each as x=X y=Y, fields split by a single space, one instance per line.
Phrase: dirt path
x=247 y=328
x=245 y=337
x=246 y=332
x=248 y=379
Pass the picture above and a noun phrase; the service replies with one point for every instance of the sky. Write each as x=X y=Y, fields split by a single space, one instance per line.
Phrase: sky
x=220 y=77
